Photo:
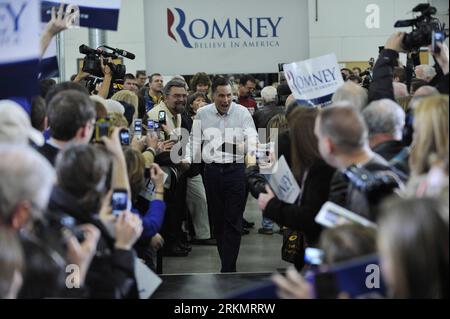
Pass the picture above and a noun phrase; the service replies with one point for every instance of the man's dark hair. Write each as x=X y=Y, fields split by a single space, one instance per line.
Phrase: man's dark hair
x=173 y=83
x=199 y=78
x=150 y=78
x=129 y=76
x=246 y=78
x=64 y=87
x=38 y=113
x=400 y=73
x=68 y=111
x=141 y=72
x=219 y=81
x=45 y=86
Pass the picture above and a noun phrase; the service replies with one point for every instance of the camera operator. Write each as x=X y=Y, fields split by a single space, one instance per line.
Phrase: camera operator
x=383 y=71
x=343 y=142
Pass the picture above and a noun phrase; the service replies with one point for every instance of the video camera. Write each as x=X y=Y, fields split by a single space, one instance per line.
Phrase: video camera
x=93 y=65
x=423 y=27
x=367 y=74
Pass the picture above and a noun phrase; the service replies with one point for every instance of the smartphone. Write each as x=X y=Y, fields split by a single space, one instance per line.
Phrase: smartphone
x=150 y=125
x=162 y=117
x=313 y=256
x=102 y=128
x=119 y=201
x=124 y=135
x=436 y=37
x=138 y=127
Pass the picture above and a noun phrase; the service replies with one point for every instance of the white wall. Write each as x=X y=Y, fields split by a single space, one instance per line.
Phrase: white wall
x=341 y=26
x=340 y=29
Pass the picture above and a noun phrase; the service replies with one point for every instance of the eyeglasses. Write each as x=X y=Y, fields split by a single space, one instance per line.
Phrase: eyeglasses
x=179 y=96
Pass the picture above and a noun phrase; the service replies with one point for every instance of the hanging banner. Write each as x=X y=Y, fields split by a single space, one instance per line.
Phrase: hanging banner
x=19 y=42
x=96 y=14
x=314 y=81
x=224 y=37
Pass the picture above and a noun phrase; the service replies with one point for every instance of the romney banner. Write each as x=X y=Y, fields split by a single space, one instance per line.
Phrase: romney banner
x=97 y=14
x=19 y=42
x=214 y=36
x=314 y=81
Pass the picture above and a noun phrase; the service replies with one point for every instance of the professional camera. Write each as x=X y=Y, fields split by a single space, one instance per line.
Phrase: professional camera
x=371 y=182
x=367 y=74
x=423 y=27
x=93 y=66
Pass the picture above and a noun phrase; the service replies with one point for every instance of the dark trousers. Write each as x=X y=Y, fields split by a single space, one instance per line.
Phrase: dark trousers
x=225 y=190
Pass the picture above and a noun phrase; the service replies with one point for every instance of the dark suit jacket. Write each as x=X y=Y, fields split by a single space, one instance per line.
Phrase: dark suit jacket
x=49 y=152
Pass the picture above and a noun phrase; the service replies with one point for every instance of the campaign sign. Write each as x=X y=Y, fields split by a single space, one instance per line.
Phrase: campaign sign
x=313 y=82
x=283 y=182
x=96 y=14
x=19 y=42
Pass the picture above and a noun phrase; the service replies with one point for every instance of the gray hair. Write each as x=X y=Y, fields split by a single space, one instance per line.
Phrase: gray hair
x=25 y=175
x=353 y=93
x=384 y=117
x=173 y=83
x=428 y=72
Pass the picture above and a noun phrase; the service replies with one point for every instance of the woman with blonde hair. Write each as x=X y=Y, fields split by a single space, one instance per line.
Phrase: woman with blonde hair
x=130 y=102
x=431 y=129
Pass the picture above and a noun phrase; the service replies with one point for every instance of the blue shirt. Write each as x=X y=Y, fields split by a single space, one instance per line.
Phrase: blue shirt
x=153 y=219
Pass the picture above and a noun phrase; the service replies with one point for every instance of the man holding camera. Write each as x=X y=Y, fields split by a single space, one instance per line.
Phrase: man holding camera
x=343 y=143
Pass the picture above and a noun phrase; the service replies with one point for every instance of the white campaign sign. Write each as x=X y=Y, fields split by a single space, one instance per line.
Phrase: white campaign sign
x=215 y=36
x=19 y=21
x=97 y=14
x=283 y=182
x=315 y=80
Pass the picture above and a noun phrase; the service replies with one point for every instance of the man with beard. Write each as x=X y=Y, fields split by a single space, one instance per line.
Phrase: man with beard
x=175 y=96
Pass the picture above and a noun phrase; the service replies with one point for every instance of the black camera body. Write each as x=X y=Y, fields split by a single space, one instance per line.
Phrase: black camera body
x=423 y=27
x=371 y=182
x=93 y=66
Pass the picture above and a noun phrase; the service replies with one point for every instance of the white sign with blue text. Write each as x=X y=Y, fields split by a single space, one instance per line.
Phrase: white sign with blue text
x=19 y=43
x=283 y=182
x=97 y=14
x=314 y=81
x=222 y=37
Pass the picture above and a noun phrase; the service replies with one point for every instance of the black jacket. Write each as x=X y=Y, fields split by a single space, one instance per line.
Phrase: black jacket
x=383 y=74
x=389 y=149
x=111 y=273
x=263 y=115
x=49 y=152
x=301 y=217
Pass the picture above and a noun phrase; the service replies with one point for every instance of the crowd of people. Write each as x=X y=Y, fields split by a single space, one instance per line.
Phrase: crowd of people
x=65 y=157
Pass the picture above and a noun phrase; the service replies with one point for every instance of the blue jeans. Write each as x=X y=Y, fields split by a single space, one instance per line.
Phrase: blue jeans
x=267 y=223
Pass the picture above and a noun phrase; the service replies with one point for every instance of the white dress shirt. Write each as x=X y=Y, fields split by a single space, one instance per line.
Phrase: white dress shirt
x=211 y=129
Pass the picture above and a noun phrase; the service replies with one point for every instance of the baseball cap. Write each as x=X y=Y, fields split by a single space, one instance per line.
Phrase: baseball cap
x=15 y=125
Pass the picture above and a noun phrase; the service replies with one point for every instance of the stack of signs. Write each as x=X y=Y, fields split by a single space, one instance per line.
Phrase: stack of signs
x=19 y=42
x=313 y=82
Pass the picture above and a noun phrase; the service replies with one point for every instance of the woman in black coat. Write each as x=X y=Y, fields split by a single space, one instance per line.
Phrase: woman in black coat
x=313 y=176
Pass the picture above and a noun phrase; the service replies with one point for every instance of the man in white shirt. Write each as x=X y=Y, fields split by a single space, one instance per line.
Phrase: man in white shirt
x=222 y=133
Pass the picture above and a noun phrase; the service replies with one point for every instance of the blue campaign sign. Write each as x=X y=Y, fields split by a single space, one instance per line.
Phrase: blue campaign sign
x=97 y=14
x=19 y=42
